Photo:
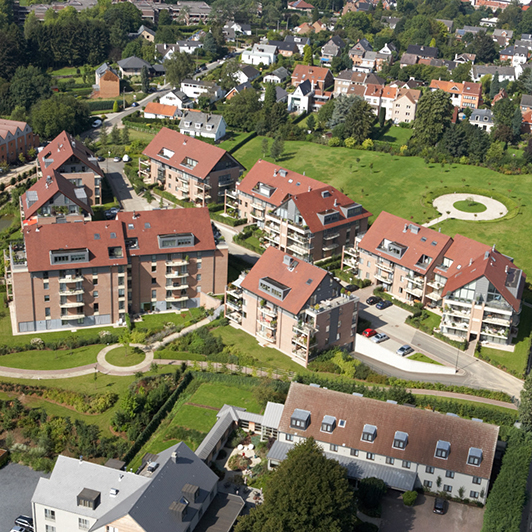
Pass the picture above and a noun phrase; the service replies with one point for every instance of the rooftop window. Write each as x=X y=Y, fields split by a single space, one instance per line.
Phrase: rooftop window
x=443 y=448
x=400 y=440
x=328 y=424
x=274 y=288
x=175 y=241
x=369 y=433
x=189 y=162
x=300 y=419
x=474 y=456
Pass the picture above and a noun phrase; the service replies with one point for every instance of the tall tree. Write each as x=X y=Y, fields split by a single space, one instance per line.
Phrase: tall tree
x=517 y=123
x=269 y=96
x=341 y=107
x=308 y=492
x=484 y=47
x=495 y=85
x=359 y=121
x=144 y=80
x=307 y=55
x=178 y=67
x=243 y=109
x=277 y=148
x=28 y=85
x=12 y=50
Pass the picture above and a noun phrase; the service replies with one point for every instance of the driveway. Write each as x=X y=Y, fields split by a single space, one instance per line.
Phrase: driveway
x=17 y=484
x=396 y=517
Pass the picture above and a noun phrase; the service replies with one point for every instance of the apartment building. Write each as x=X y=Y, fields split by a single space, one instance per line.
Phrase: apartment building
x=260 y=54
x=66 y=275
x=175 y=490
x=315 y=225
x=462 y=95
x=16 y=138
x=75 y=162
x=476 y=289
x=406 y=447
x=405 y=105
x=188 y=168
x=293 y=306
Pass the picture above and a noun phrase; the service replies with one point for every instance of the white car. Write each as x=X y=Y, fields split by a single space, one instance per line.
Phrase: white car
x=126 y=158
x=380 y=337
x=97 y=123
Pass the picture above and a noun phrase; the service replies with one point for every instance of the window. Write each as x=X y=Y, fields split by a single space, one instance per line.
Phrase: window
x=96 y=308
x=342 y=423
x=449 y=474
x=45 y=285
x=46 y=298
x=443 y=449
x=154 y=294
x=49 y=528
x=427 y=483
x=475 y=456
x=153 y=280
x=477 y=480
x=406 y=464
x=370 y=456
x=121 y=292
x=198 y=264
x=198 y=277
x=45 y=275
x=429 y=470
x=473 y=494
x=400 y=440
x=49 y=514
x=369 y=433
x=447 y=488
x=95 y=294
x=154 y=267
x=83 y=524
x=300 y=419
x=47 y=312
x=354 y=452
x=289 y=437
x=334 y=448
x=121 y=305
x=95 y=281
x=390 y=460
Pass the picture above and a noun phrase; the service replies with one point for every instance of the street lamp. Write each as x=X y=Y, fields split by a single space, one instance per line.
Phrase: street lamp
x=456 y=366
x=108 y=157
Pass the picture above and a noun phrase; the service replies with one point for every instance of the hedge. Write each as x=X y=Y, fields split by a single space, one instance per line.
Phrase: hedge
x=507 y=498
x=245 y=140
x=172 y=198
x=99 y=105
x=228 y=221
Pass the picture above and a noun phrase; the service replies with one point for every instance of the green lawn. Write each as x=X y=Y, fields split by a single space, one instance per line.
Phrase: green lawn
x=201 y=419
x=158 y=321
x=141 y=135
x=420 y=357
x=473 y=403
x=232 y=138
x=118 y=357
x=469 y=206
x=217 y=395
x=67 y=71
x=396 y=184
x=433 y=321
x=58 y=359
x=396 y=135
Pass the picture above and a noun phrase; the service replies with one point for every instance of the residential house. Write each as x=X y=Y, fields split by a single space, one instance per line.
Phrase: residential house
x=176 y=489
x=304 y=28
x=390 y=22
x=526 y=102
x=505 y=73
x=177 y=99
x=388 y=49
x=293 y=306
x=299 y=40
x=516 y=55
x=346 y=79
x=238 y=89
x=462 y=95
x=464 y=58
x=247 y=73
x=83 y=274
x=371 y=61
x=405 y=105
x=301 y=100
x=408 y=448
x=107 y=82
x=524 y=44
x=194 y=88
x=284 y=48
x=408 y=60
x=279 y=75
x=502 y=37
x=423 y=52
x=489 y=22
x=333 y=48
x=473 y=30
x=482 y=118
x=301 y=5
x=499 y=96
x=239 y=27
x=447 y=23
x=168 y=50
x=16 y=138
x=373 y=95
x=145 y=33
x=190 y=12
x=320 y=26
x=321 y=77
x=527 y=121
x=360 y=48
x=203 y=125
x=260 y=54
x=132 y=66
x=161 y=111
x=189 y=168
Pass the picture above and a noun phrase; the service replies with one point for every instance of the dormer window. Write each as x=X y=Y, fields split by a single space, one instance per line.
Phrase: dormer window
x=400 y=440
x=475 y=456
x=328 y=424
x=443 y=448
x=369 y=433
x=300 y=419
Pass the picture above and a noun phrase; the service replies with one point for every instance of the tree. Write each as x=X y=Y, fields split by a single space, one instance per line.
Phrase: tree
x=269 y=96
x=144 y=80
x=125 y=340
x=504 y=112
x=104 y=137
x=115 y=106
x=517 y=123
x=178 y=67
x=433 y=118
x=341 y=107
x=308 y=492
x=12 y=50
x=307 y=55
x=265 y=147
x=125 y=137
x=243 y=109
x=462 y=72
x=525 y=406
x=495 y=85
x=359 y=121
x=277 y=148
x=495 y=153
x=311 y=122
x=210 y=45
x=115 y=135
x=526 y=80
x=484 y=47
x=29 y=85
x=371 y=491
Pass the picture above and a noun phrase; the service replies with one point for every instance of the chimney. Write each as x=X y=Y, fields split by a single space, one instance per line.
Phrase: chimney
x=309 y=189
x=175 y=457
x=335 y=202
x=405 y=228
x=506 y=269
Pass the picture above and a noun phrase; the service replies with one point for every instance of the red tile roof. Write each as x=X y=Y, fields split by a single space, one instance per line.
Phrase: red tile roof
x=167 y=222
x=41 y=240
x=312 y=73
x=301 y=4
x=311 y=203
x=46 y=188
x=286 y=182
x=10 y=126
x=61 y=149
x=161 y=109
x=179 y=147
x=396 y=229
x=424 y=429
x=272 y=265
x=461 y=251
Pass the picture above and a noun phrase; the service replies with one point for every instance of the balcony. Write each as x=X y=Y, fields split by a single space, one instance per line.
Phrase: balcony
x=69 y=317
x=462 y=325
x=175 y=275
x=270 y=324
x=350 y=261
x=231 y=194
x=300 y=250
x=72 y=304
x=301 y=340
x=177 y=262
x=257 y=215
x=299 y=352
x=303 y=328
x=435 y=296
x=234 y=292
x=268 y=336
x=273 y=227
x=74 y=292
x=258 y=206
x=237 y=306
x=175 y=299
x=71 y=279
x=234 y=316
x=331 y=236
x=457 y=311
x=414 y=291
x=415 y=279
x=176 y=286
x=353 y=252
x=296 y=237
x=385 y=266
x=494 y=331
x=386 y=279
x=331 y=246
x=504 y=321
x=436 y=285
x=268 y=311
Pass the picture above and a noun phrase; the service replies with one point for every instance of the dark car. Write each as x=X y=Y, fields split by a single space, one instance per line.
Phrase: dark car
x=381 y=305
x=372 y=300
x=134 y=104
x=351 y=288
x=24 y=521
x=439 y=506
x=112 y=212
x=100 y=159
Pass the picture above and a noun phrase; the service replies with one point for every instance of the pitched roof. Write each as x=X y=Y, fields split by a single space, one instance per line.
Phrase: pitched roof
x=301 y=4
x=424 y=429
x=133 y=62
x=280 y=72
x=282 y=182
x=299 y=276
x=202 y=120
x=10 y=126
x=412 y=94
x=45 y=189
x=408 y=59
x=160 y=109
x=526 y=100
x=422 y=51
x=172 y=148
x=146 y=226
x=61 y=149
x=303 y=72
x=250 y=71
x=415 y=239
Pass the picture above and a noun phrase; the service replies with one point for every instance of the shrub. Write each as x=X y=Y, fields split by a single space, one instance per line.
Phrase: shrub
x=371 y=491
x=409 y=498
x=367 y=144
x=334 y=142
x=237 y=462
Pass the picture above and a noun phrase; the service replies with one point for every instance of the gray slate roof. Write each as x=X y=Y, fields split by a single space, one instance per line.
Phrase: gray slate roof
x=133 y=63
x=482 y=115
x=526 y=100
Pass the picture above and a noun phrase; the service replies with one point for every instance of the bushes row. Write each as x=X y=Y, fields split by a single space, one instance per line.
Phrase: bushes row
x=172 y=198
x=100 y=105
x=233 y=222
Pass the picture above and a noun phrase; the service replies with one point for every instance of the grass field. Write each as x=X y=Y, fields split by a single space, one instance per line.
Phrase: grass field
x=118 y=357
x=469 y=206
x=396 y=184
x=420 y=357
x=217 y=395
x=396 y=135
x=58 y=359
x=194 y=417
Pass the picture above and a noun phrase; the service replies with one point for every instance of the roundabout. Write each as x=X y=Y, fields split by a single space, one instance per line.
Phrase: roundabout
x=468 y=207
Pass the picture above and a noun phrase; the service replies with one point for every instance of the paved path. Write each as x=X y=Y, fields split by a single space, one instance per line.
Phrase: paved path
x=445 y=205
x=109 y=369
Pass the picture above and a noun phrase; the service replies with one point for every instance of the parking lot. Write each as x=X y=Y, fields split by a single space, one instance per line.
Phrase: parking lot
x=396 y=517
x=17 y=484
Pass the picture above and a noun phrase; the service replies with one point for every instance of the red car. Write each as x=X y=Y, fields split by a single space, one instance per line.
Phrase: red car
x=368 y=333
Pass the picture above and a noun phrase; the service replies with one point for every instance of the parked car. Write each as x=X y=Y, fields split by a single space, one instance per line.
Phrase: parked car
x=372 y=300
x=117 y=159
x=17 y=528
x=100 y=159
x=24 y=521
x=368 y=333
x=439 y=506
x=381 y=305
x=404 y=350
x=134 y=104
x=111 y=213
x=97 y=123
x=380 y=337
x=126 y=158
x=351 y=288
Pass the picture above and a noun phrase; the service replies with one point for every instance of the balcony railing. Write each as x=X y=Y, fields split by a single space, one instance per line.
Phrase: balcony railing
x=414 y=291
x=497 y=320
x=74 y=292
x=233 y=305
x=268 y=311
x=330 y=247
x=331 y=236
x=353 y=252
x=71 y=279
x=69 y=317
x=435 y=296
x=416 y=279
x=235 y=316
x=177 y=262
x=384 y=278
x=174 y=299
x=385 y=266
x=269 y=337
x=71 y=304
x=175 y=275
x=176 y=286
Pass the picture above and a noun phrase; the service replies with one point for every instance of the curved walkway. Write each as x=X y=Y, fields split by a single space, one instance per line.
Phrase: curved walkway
x=445 y=205
x=109 y=369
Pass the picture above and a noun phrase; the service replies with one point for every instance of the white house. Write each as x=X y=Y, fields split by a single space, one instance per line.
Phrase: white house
x=261 y=53
x=194 y=88
x=277 y=76
x=158 y=110
x=203 y=125
x=177 y=99
x=247 y=73
x=482 y=118
x=300 y=101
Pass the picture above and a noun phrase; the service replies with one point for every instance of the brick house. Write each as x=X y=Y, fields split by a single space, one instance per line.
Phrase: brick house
x=16 y=138
x=319 y=77
x=107 y=82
